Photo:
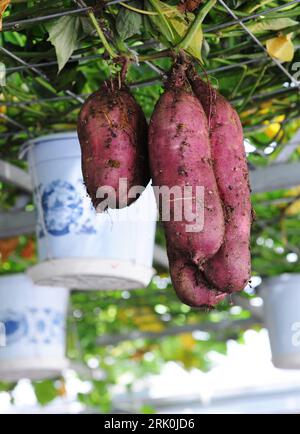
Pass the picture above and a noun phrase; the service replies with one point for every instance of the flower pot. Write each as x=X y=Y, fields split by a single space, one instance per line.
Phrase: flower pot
x=32 y=319
x=282 y=316
x=79 y=248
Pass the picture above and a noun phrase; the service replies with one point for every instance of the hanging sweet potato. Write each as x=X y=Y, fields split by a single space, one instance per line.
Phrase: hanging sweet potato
x=229 y=270
x=112 y=131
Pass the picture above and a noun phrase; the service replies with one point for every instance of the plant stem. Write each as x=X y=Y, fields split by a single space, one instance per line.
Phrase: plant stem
x=139 y=11
x=263 y=3
x=144 y=11
x=196 y=24
x=156 y=6
x=157 y=55
x=101 y=35
x=239 y=83
x=253 y=89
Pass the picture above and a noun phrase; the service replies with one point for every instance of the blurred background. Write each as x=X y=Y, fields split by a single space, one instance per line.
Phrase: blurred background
x=89 y=321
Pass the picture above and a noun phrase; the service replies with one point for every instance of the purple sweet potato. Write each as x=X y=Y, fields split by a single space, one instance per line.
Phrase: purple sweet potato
x=190 y=283
x=180 y=156
x=230 y=269
x=112 y=131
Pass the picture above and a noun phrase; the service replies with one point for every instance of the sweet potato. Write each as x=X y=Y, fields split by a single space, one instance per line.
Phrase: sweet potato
x=112 y=131
x=179 y=155
x=190 y=284
x=230 y=269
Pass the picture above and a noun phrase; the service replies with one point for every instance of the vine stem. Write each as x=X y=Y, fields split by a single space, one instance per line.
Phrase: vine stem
x=259 y=5
x=256 y=84
x=144 y=11
x=101 y=35
x=157 y=7
x=196 y=24
x=157 y=55
x=139 y=11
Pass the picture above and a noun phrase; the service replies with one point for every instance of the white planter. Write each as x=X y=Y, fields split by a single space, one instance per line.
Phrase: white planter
x=32 y=318
x=282 y=316
x=79 y=248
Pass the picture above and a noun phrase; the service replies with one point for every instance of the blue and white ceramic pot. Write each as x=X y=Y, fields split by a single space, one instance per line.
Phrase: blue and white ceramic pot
x=79 y=248
x=32 y=329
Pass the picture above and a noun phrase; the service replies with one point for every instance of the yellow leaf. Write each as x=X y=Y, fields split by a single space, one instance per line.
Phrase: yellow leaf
x=295 y=191
x=180 y=25
x=143 y=319
x=273 y=129
x=293 y=209
x=187 y=341
x=154 y=327
x=3 y=5
x=265 y=107
x=247 y=113
x=281 y=48
x=3 y=108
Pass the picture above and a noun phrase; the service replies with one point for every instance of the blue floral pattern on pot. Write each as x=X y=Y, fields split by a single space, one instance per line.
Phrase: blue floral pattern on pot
x=15 y=325
x=36 y=325
x=62 y=207
x=64 y=210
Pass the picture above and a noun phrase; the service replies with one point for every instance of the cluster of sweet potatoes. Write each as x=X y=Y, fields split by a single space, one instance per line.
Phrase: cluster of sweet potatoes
x=195 y=139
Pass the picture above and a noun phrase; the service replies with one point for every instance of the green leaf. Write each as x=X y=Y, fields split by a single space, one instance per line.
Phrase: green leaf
x=149 y=28
x=196 y=44
x=160 y=20
x=173 y=26
x=45 y=391
x=181 y=26
x=272 y=24
x=6 y=387
x=160 y=7
x=64 y=35
x=87 y=27
x=128 y=22
x=147 y=409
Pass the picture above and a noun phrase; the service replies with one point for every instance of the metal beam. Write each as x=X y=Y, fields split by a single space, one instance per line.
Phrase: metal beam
x=13 y=224
x=275 y=177
x=14 y=175
x=220 y=327
x=289 y=148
